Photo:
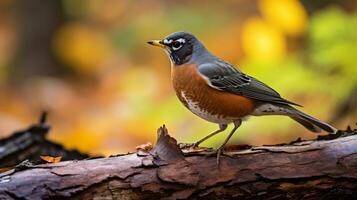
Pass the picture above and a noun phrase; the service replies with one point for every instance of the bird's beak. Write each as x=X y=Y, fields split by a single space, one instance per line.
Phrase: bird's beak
x=157 y=43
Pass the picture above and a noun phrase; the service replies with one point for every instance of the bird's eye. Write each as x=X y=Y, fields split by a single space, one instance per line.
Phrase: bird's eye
x=176 y=45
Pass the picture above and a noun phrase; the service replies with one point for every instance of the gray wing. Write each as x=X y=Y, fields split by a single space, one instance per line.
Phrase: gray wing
x=223 y=76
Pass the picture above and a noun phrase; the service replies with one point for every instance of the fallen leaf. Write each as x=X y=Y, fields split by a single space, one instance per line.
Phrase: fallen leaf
x=144 y=147
x=4 y=169
x=51 y=159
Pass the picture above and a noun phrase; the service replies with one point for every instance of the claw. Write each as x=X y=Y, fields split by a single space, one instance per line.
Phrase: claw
x=218 y=152
x=187 y=145
x=218 y=156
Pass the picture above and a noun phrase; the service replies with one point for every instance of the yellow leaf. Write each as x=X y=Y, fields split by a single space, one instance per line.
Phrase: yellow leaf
x=51 y=159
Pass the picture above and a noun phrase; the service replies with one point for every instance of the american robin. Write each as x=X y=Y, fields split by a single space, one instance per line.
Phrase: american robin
x=216 y=91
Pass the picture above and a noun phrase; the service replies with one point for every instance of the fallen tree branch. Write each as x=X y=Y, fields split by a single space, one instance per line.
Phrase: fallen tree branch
x=32 y=143
x=302 y=170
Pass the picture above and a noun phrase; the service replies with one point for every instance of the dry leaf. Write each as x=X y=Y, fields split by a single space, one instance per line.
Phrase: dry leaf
x=144 y=147
x=4 y=169
x=51 y=159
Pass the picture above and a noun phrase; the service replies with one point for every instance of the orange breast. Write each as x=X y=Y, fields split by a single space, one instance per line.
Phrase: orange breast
x=194 y=92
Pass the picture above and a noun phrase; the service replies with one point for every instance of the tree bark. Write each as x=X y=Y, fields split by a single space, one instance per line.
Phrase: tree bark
x=317 y=169
x=30 y=144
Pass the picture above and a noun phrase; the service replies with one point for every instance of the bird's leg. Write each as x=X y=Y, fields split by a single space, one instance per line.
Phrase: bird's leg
x=222 y=127
x=219 y=150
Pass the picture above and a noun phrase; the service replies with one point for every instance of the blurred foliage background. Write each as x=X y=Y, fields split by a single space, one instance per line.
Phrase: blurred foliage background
x=88 y=64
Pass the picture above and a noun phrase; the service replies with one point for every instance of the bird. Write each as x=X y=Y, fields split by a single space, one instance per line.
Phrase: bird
x=218 y=92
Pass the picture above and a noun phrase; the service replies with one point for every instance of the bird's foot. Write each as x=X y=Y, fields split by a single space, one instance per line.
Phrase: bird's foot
x=188 y=145
x=218 y=152
x=193 y=149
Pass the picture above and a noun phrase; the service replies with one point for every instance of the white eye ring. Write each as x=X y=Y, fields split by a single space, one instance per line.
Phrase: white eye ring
x=176 y=48
x=179 y=41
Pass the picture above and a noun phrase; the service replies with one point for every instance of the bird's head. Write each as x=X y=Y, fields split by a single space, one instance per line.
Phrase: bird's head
x=180 y=46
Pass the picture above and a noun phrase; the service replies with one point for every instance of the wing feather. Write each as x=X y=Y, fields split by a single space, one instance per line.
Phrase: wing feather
x=224 y=76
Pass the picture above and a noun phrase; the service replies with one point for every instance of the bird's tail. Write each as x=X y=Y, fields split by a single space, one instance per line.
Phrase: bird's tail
x=310 y=122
